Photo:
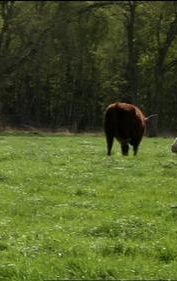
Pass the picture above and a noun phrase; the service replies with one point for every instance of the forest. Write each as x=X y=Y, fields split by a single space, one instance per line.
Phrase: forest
x=63 y=62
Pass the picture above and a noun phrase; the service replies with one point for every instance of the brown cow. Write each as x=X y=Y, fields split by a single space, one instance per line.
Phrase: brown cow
x=126 y=123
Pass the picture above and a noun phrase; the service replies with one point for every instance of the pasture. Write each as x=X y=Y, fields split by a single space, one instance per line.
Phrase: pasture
x=68 y=211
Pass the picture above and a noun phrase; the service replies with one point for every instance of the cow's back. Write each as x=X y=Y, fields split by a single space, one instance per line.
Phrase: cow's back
x=124 y=120
x=126 y=123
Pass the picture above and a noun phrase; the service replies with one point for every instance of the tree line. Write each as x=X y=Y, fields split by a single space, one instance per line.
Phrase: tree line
x=63 y=62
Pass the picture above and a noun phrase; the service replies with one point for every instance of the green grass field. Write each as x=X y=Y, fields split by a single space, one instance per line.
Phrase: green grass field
x=68 y=211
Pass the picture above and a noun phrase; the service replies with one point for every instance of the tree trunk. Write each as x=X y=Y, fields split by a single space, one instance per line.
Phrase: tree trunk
x=131 y=69
x=158 y=102
x=152 y=126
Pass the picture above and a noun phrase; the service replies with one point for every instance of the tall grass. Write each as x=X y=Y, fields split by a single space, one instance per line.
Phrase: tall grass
x=68 y=211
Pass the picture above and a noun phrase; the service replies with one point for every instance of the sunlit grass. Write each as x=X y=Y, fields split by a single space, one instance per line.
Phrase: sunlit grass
x=68 y=211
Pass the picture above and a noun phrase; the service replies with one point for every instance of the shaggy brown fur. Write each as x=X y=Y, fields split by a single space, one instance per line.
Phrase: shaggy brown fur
x=126 y=123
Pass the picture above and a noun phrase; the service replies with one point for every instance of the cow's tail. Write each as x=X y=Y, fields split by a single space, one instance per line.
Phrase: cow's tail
x=150 y=116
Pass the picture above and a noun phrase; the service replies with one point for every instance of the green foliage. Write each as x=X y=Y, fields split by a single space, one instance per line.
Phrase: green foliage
x=63 y=63
x=68 y=211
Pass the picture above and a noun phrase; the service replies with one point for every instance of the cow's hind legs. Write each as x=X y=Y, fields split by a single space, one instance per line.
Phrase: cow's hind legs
x=109 y=139
x=135 y=147
x=124 y=149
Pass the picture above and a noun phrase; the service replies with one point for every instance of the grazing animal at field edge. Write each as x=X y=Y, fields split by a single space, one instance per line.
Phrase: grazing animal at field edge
x=174 y=146
x=126 y=123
